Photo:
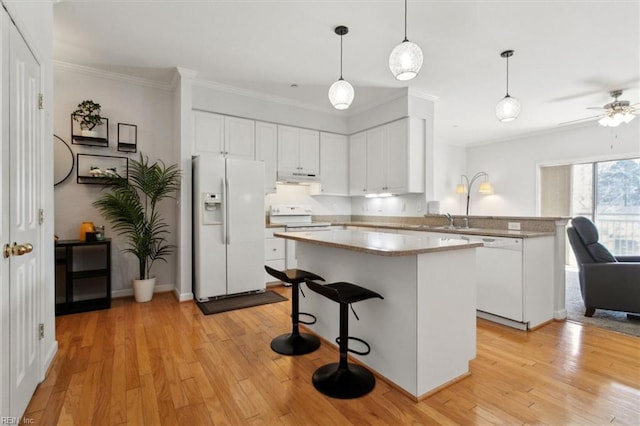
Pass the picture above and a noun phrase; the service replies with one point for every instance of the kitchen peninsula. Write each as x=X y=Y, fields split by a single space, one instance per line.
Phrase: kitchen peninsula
x=423 y=334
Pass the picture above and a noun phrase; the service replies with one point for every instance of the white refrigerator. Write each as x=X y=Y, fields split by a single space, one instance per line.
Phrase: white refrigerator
x=228 y=226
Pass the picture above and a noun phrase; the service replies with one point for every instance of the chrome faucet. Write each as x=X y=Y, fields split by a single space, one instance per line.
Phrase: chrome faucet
x=448 y=216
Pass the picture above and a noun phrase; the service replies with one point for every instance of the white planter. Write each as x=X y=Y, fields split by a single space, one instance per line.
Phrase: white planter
x=143 y=289
x=89 y=133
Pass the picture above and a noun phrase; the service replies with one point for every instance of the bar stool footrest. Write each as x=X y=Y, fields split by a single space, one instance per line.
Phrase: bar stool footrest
x=307 y=322
x=343 y=383
x=353 y=350
x=295 y=344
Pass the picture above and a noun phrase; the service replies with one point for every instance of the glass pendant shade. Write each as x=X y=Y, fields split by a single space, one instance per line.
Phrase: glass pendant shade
x=341 y=94
x=507 y=109
x=405 y=60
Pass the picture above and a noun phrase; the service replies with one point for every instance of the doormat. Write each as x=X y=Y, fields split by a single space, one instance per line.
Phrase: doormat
x=239 y=302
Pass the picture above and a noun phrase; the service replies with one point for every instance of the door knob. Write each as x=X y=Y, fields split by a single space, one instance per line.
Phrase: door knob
x=6 y=251
x=20 y=249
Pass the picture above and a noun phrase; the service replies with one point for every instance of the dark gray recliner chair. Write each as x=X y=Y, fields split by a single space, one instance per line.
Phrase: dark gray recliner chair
x=606 y=281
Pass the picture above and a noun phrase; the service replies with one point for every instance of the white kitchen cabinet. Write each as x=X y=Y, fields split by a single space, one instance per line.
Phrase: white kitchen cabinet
x=224 y=136
x=358 y=164
x=208 y=132
x=239 y=138
x=298 y=151
x=393 y=156
x=267 y=151
x=274 y=252
x=334 y=164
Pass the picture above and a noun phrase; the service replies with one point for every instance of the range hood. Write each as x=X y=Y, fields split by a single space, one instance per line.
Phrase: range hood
x=297 y=177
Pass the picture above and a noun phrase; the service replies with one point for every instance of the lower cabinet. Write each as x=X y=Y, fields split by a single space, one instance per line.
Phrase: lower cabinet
x=83 y=276
x=274 y=252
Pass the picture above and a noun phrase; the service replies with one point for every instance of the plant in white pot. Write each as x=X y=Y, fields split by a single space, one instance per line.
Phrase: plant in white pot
x=88 y=117
x=131 y=205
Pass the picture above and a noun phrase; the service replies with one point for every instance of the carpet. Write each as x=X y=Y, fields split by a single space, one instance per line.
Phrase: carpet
x=611 y=320
x=231 y=303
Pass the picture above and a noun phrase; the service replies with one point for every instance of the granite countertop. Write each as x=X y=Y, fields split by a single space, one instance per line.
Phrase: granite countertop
x=460 y=231
x=379 y=243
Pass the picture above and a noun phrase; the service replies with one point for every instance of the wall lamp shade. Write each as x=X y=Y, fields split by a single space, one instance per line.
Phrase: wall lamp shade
x=405 y=60
x=341 y=92
x=508 y=108
x=485 y=188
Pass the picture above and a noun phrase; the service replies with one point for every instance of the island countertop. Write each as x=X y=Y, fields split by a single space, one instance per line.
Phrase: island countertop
x=379 y=243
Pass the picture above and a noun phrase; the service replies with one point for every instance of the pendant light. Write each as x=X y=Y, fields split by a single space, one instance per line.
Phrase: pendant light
x=406 y=58
x=508 y=108
x=341 y=92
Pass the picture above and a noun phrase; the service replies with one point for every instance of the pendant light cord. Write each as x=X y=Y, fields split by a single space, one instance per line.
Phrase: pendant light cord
x=405 y=21
x=507 y=76
x=341 y=57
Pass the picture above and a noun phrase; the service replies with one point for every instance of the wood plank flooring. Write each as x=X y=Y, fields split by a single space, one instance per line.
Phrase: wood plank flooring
x=164 y=363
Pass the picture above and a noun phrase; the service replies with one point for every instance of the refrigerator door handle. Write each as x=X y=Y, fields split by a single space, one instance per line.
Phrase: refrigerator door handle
x=224 y=211
x=228 y=209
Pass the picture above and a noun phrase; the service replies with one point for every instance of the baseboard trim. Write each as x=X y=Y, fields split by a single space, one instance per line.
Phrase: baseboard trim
x=48 y=360
x=127 y=292
x=182 y=297
x=560 y=314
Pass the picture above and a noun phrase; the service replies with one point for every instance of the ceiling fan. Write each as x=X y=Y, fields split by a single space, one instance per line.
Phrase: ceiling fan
x=614 y=113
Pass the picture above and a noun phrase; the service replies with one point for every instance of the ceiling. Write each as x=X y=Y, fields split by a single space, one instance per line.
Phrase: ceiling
x=568 y=54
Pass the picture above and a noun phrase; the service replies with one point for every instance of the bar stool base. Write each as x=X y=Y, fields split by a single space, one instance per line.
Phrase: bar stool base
x=290 y=344
x=352 y=382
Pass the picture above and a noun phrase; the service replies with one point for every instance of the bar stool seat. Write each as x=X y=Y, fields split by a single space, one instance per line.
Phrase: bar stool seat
x=344 y=380
x=295 y=343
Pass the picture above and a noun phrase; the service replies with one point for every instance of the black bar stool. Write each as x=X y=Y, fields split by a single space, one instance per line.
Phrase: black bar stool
x=343 y=379
x=295 y=343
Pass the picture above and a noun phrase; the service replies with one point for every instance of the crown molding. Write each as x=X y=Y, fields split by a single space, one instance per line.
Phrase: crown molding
x=262 y=96
x=110 y=75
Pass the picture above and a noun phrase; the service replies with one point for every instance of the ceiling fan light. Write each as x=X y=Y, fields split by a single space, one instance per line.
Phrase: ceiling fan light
x=627 y=117
x=606 y=121
x=406 y=60
x=508 y=109
x=341 y=94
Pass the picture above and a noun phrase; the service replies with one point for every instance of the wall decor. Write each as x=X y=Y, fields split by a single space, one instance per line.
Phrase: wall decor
x=93 y=169
x=101 y=138
x=63 y=160
x=127 y=137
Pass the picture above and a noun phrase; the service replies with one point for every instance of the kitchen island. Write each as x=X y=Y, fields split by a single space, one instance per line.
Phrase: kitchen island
x=423 y=334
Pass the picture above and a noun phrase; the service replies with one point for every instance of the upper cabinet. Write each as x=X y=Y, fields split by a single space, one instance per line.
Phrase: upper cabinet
x=298 y=151
x=358 y=164
x=388 y=159
x=225 y=136
x=267 y=151
x=334 y=164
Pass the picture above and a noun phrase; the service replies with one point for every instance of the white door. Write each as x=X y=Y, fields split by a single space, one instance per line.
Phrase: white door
x=358 y=164
x=288 y=149
x=376 y=159
x=267 y=152
x=24 y=228
x=208 y=133
x=309 y=151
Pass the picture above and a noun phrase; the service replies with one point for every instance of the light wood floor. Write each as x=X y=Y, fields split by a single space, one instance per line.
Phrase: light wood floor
x=164 y=362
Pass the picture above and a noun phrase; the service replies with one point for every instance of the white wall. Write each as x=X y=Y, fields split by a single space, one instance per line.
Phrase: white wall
x=513 y=165
x=302 y=194
x=125 y=101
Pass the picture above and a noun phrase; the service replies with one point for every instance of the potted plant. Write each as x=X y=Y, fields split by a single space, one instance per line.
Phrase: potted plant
x=88 y=116
x=131 y=205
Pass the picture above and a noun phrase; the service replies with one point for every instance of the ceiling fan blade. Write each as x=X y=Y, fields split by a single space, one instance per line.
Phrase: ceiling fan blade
x=596 y=108
x=580 y=120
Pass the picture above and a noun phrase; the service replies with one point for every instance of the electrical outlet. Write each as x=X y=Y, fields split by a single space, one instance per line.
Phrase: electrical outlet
x=513 y=226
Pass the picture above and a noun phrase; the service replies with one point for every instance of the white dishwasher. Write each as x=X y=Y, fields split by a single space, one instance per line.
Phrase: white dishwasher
x=499 y=268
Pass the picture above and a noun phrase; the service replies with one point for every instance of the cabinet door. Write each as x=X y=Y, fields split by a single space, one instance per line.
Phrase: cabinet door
x=208 y=132
x=267 y=151
x=376 y=159
x=358 y=164
x=288 y=149
x=396 y=156
x=334 y=163
x=309 y=151
x=239 y=137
